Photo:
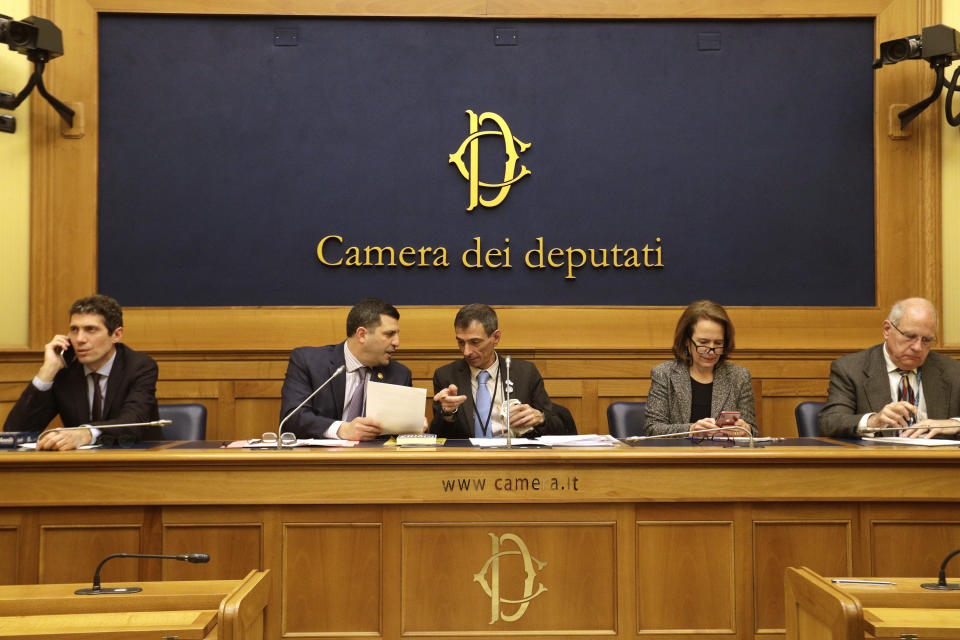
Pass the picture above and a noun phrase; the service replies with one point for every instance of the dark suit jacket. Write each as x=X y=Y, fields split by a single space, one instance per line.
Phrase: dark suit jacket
x=859 y=384
x=527 y=388
x=131 y=397
x=307 y=370
x=671 y=395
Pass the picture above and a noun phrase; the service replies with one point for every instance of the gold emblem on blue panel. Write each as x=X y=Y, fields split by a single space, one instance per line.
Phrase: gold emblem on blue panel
x=512 y=146
x=531 y=567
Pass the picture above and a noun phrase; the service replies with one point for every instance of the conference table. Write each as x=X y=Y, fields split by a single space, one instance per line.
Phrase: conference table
x=663 y=539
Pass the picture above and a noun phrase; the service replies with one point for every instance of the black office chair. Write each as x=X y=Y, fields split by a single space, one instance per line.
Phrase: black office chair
x=569 y=425
x=189 y=421
x=625 y=419
x=807 y=421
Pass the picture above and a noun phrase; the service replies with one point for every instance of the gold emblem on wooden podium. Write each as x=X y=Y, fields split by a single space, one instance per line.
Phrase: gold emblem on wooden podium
x=492 y=588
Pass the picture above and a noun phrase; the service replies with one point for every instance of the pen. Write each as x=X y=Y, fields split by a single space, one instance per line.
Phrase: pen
x=851 y=581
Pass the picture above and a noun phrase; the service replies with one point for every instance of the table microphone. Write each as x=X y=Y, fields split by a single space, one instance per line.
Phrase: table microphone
x=339 y=370
x=155 y=423
x=96 y=589
x=752 y=444
x=941 y=583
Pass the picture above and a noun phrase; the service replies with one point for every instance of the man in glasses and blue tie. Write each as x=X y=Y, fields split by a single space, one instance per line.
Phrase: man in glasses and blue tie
x=900 y=384
x=469 y=391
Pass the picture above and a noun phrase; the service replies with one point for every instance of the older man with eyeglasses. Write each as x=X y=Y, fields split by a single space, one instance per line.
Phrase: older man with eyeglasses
x=900 y=385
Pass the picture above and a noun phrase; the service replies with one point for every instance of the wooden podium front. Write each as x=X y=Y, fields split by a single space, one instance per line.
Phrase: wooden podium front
x=627 y=543
x=194 y=610
x=819 y=609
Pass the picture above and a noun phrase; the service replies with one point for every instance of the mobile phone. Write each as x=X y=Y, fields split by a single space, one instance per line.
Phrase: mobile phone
x=66 y=355
x=727 y=417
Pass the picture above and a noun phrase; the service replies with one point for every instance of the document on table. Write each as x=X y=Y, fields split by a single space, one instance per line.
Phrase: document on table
x=585 y=440
x=922 y=442
x=302 y=442
x=485 y=443
x=398 y=408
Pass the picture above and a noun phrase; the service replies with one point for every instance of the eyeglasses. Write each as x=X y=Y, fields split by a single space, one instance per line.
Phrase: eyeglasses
x=925 y=341
x=287 y=439
x=703 y=349
x=717 y=436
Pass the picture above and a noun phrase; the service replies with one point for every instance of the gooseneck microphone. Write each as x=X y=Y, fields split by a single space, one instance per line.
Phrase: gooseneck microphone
x=96 y=589
x=339 y=370
x=941 y=583
x=155 y=423
x=507 y=403
x=752 y=443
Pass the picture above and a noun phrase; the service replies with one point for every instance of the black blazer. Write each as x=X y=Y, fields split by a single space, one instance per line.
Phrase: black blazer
x=307 y=369
x=527 y=388
x=131 y=397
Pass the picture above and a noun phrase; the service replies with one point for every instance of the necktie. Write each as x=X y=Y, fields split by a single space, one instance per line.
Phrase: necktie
x=355 y=407
x=483 y=405
x=904 y=390
x=96 y=411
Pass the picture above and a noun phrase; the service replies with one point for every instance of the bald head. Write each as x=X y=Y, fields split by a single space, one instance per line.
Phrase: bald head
x=912 y=306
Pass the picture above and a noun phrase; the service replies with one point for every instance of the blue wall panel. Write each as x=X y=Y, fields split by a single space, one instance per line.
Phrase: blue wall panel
x=743 y=150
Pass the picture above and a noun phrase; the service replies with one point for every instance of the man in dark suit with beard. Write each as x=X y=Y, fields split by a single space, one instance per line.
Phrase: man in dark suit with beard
x=373 y=335
x=469 y=391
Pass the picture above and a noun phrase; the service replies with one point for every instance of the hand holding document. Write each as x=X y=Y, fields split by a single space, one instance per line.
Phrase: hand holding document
x=398 y=408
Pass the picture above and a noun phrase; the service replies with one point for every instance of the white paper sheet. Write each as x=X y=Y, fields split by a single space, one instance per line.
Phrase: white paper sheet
x=304 y=442
x=500 y=442
x=919 y=441
x=398 y=408
x=585 y=440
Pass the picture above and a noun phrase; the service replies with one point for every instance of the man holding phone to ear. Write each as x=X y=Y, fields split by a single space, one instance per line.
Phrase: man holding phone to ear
x=88 y=378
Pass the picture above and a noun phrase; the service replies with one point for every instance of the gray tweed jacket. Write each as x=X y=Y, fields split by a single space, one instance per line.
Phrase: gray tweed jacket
x=668 y=404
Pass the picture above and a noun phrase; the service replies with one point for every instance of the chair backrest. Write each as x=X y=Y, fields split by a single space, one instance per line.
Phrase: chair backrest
x=569 y=425
x=189 y=421
x=807 y=421
x=625 y=419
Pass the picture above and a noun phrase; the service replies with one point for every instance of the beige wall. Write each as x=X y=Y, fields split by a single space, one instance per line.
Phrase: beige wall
x=951 y=207
x=15 y=195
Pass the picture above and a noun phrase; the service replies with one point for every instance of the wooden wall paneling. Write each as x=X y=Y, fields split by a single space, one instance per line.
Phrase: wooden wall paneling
x=224 y=426
x=257 y=409
x=627 y=570
x=273 y=554
x=819 y=536
x=233 y=537
x=9 y=553
x=332 y=566
x=13 y=555
x=910 y=540
x=63 y=192
x=745 y=576
x=685 y=577
x=64 y=197
x=72 y=542
x=688 y=568
x=899 y=198
x=473 y=561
